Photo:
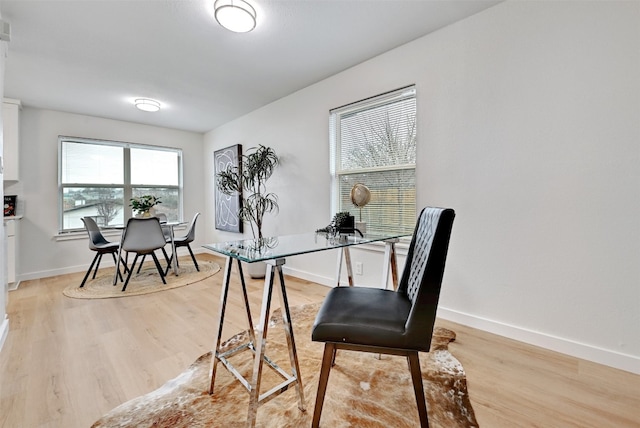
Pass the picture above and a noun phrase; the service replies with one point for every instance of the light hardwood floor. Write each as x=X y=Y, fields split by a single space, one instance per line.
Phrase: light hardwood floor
x=66 y=361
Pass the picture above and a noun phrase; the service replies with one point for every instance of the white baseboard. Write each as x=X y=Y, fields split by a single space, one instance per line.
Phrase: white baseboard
x=4 y=331
x=607 y=357
x=594 y=354
x=322 y=280
x=591 y=353
x=83 y=268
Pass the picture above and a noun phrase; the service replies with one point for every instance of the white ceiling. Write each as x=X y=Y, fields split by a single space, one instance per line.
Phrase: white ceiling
x=94 y=56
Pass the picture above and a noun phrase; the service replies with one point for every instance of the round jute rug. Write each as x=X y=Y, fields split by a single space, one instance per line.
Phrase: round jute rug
x=147 y=281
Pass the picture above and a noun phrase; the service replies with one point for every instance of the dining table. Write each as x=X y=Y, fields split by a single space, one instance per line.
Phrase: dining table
x=169 y=228
x=274 y=251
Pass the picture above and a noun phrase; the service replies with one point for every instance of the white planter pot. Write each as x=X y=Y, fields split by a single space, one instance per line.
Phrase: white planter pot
x=256 y=270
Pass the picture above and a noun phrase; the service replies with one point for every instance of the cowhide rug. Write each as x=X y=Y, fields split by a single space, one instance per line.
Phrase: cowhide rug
x=363 y=391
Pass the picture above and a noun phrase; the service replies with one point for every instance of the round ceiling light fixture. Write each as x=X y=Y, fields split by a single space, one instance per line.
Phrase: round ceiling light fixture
x=235 y=15
x=147 y=104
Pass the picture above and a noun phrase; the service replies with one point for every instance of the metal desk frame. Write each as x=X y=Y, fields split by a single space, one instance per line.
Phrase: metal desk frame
x=259 y=332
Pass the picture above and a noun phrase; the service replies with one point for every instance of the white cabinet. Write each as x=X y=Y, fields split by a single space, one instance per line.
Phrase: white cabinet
x=11 y=130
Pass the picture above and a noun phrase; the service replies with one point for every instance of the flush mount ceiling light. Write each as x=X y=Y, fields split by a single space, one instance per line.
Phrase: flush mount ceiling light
x=147 y=104
x=235 y=15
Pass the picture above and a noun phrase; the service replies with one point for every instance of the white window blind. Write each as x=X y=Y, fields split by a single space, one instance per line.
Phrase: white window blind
x=373 y=142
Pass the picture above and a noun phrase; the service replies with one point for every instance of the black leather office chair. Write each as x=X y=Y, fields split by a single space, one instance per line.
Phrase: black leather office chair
x=143 y=236
x=184 y=241
x=389 y=322
x=99 y=244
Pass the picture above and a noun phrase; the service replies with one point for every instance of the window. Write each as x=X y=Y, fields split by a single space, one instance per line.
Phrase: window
x=98 y=178
x=373 y=142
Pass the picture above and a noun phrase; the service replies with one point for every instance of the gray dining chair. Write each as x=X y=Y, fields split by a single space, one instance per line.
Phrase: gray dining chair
x=166 y=230
x=384 y=321
x=99 y=244
x=142 y=236
x=184 y=241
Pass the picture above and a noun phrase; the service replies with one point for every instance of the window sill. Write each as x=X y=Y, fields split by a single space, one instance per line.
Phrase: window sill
x=82 y=234
x=114 y=234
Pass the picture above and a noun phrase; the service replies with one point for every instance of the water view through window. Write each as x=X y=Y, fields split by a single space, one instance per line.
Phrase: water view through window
x=98 y=178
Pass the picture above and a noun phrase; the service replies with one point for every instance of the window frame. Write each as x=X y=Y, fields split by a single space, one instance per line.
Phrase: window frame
x=126 y=186
x=335 y=141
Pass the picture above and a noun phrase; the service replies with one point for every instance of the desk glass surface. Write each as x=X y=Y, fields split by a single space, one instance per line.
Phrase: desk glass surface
x=290 y=245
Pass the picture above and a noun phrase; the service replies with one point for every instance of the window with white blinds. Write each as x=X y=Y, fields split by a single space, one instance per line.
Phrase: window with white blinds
x=373 y=142
x=98 y=178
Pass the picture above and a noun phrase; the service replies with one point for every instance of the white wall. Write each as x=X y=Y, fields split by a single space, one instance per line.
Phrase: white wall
x=40 y=254
x=529 y=127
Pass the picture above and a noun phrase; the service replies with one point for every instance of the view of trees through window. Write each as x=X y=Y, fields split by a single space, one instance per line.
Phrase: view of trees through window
x=98 y=178
x=374 y=143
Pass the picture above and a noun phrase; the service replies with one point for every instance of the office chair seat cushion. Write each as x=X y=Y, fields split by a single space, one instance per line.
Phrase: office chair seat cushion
x=363 y=316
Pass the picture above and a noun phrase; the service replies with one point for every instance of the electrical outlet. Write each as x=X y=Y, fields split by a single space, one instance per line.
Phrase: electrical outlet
x=358 y=268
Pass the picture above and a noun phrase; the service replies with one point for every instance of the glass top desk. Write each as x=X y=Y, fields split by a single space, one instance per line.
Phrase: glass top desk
x=273 y=252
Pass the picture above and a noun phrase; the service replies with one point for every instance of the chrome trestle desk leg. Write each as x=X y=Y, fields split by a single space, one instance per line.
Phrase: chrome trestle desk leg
x=291 y=343
x=390 y=263
x=223 y=306
x=347 y=261
x=252 y=336
x=258 y=340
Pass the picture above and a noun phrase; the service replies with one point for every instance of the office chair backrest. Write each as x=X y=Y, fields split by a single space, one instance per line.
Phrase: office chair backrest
x=95 y=236
x=423 y=271
x=143 y=234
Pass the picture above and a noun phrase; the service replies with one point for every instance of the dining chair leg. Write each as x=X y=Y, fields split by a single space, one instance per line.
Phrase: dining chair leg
x=193 y=257
x=115 y=262
x=166 y=271
x=124 y=264
x=416 y=375
x=89 y=270
x=135 y=259
x=144 y=256
x=97 y=266
x=157 y=262
x=166 y=256
x=327 y=358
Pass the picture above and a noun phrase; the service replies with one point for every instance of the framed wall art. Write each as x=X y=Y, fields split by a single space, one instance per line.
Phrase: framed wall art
x=227 y=206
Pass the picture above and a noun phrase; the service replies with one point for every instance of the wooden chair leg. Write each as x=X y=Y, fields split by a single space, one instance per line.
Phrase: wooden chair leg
x=416 y=375
x=327 y=359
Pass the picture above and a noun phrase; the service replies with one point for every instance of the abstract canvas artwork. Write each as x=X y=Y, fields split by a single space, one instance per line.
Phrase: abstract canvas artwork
x=227 y=206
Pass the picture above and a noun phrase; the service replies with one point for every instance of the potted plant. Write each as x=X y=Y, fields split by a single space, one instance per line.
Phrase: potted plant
x=249 y=181
x=343 y=222
x=143 y=204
